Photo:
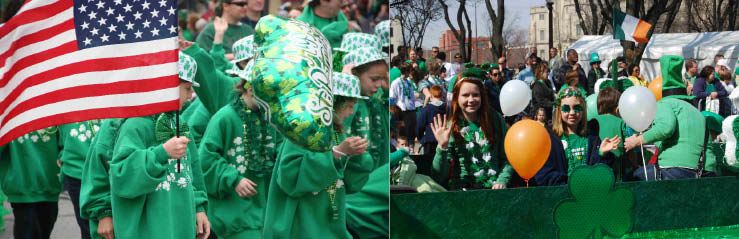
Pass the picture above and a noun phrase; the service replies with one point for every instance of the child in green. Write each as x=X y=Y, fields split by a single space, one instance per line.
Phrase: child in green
x=153 y=194
x=237 y=154
x=95 y=191
x=76 y=138
x=307 y=190
x=30 y=178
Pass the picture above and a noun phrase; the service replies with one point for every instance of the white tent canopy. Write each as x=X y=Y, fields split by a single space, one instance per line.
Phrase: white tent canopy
x=699 y=46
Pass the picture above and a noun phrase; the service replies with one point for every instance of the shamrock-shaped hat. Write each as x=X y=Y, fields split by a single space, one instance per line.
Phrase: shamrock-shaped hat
x=347 y=85
x=730 y=127
x=364 y=55
x=243 y=49
x=186 y=68
x=672 y=81
x=382 y=30
x=355 y=40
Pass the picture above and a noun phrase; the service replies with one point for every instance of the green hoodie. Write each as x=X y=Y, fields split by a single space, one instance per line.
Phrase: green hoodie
x=299 y=204
x=76 y=138
x=228 y=154
x=28 y=169
x=234 y=33
x=334 y=28
x=149 y=198
x=95 y=189
x=680 y=127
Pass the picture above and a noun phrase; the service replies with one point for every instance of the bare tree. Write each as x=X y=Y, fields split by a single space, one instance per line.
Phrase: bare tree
x=497 y=17
x=415 y=16
x=461 y=30
x=712 y=15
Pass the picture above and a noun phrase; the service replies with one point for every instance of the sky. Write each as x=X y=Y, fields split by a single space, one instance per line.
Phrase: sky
x=514 y=7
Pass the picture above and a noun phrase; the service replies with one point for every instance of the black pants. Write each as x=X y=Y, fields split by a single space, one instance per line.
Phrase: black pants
x=72 y=185
x=429 y=151
x=34 y=220
x=409 y=119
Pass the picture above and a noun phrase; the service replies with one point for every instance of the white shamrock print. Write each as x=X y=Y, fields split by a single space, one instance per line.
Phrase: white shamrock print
x=491 y=172
x=41 y=131
x=240 y=159
x=241 y=168
x=474 y=159
x=34 y=138
x=88 y=134
x=339 y=183
x=239 y=149
x=45 y=138
x=83 y=127
x=73 y=133
x=238 y=141
x=182 y=182
x=231 y=153
x=82 y=138
x=96 y=128
x=486 y=157
x=479 y=173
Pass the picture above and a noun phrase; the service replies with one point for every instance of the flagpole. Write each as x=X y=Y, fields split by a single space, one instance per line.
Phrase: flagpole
x=177 y=134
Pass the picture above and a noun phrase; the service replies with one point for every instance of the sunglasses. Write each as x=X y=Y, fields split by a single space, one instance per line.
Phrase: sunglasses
x=495 y=74
x=240 y=4
x=575 y=108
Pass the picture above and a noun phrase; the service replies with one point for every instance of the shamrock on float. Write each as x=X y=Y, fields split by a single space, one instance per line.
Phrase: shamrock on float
x=597 y=209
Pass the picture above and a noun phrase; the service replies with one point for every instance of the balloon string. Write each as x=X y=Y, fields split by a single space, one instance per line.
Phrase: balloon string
x=644 y=162
x=527 y=182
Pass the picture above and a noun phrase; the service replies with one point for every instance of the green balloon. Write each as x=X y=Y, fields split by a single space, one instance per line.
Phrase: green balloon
x=292 y=75
x=592 y=102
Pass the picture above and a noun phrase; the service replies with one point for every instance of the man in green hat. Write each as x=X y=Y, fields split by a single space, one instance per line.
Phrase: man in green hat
x=595 y=72
x=678 y=129
x=233 y=12
x=326 y=15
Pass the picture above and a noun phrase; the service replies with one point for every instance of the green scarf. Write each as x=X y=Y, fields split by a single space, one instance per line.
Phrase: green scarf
x=164 y=128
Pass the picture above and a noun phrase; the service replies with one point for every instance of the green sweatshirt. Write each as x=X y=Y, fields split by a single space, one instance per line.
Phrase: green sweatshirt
x=334 y=28
x=680 y=127
x=234 y=33
x=76 y=138
x=367 y=211
x=379 y=129
x=218 y=54
x=28 y=169
x=609 y=126
x=198 y=122
x=216 y=88
x=228 y=154
x=299 y=203
x=149 y=198
x=95 y=189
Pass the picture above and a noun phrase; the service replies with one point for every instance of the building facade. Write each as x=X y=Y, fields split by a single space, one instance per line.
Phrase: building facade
x=481 y=47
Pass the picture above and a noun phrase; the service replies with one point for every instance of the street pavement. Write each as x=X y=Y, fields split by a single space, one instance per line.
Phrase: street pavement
x=65 y=227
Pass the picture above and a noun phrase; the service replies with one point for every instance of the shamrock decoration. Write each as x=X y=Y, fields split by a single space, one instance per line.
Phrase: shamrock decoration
x=597 y=209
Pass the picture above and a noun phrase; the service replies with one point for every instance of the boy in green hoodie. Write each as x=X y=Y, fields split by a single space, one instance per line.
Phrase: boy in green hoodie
x=156 y=180
x=307 y=193
x=29 y=177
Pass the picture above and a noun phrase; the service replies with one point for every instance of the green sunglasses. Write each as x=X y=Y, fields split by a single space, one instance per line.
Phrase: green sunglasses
x=575 y=109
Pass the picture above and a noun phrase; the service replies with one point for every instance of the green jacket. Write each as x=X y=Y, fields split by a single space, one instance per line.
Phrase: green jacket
x=95 y=189
x=299 y=204
x=334 y=28
x=228 y=154
x=234 y=33
x=149 y=198
x=76 y=138
x=28 y=169
x=681 y=128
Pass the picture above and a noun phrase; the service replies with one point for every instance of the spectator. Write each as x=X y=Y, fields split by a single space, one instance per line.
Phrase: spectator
x=453 y=68
x=434 y=52
x=635 y=76
x=493 y=86
x=527 y=74
x=708 y=88
x=506 y=73
x=395 y=69
x=233 y=12
x=572 y=58
x=402 y=93
x=555 y=61
x=691 y=71
x=437 y=73
x=595 y=72
x=254 y=10
x=572 y=81
x=435 y=107
x=326 y=15
x=609 y=124
x=541 y=116
x=541 y=91
x=419 y=53
x=417 y=64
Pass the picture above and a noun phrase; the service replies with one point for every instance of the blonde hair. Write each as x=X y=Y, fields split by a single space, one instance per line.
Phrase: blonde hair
x=558 y=126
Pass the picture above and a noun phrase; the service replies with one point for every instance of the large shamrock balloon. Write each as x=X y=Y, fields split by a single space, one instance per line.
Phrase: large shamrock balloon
x=292 y=75
x=597 y=209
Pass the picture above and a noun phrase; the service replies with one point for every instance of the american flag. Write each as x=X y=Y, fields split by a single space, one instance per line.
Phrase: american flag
x=73 y=60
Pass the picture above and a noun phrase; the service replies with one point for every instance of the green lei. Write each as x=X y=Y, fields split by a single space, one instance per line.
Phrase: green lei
x=259 y=147
x=477 y=161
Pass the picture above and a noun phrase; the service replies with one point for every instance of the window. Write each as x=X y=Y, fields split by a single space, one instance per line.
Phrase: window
x=541 y=35
x=541 y=16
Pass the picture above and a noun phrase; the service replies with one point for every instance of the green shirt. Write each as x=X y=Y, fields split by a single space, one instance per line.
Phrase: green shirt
x=76 y=138
x=28 y=168
x=148 y=196
x=229 y=154
x=333 y=29
x=394 y=74
x=611 y=125
x=95 y=188
x=576 y=151
x=680 y=127
x=299 y=204
x=234 y=33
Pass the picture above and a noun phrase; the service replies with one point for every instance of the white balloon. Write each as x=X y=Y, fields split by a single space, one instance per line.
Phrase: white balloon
x=637 y=107
x=514 y=97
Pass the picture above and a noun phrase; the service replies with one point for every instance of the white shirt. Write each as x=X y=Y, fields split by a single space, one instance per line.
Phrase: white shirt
x=399 y=90
x=452 y=69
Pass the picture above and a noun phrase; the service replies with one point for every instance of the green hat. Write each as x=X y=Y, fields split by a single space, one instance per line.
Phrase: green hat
x=364 y=55
x=493 y=65
x=608 y=82
x=672 y=81
x=355 y=40
x=713 y=121
x=594 y=58
x=186 y=68
x=382 y=30
x=347 y=85
x=243 y=49
x=469 y=65
x=474 y=72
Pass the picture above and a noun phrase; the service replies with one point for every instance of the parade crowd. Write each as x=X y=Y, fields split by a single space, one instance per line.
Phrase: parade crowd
x=218 y=167
x=447 y=119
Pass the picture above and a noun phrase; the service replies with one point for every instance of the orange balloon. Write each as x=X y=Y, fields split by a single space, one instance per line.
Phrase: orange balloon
x=527 y=146
x=656 y=87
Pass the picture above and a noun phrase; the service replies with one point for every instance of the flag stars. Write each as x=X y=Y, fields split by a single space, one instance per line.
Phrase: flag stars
x=122 y=36
x=172 y=29
x=83 y=8
x=100 y=4
x=155 y=32
x=138 y=34
x=87 y=41
x=94 y=31
x=85 y=25
x=163 y=21
x=155 y=13
x=92 y=15
x=118 y=2
x=110 y=11
x=145 y=5
x=104 y=38
x=137 y=15
x=129 y=26
x=146 y=23
x=102 y=21
x=112 y=28
x=119 y=18
x=163 y=3
x=171 y=10
x=127 y=8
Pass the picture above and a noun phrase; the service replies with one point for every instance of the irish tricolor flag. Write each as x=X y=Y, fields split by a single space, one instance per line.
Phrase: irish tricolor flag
x=627 y=27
